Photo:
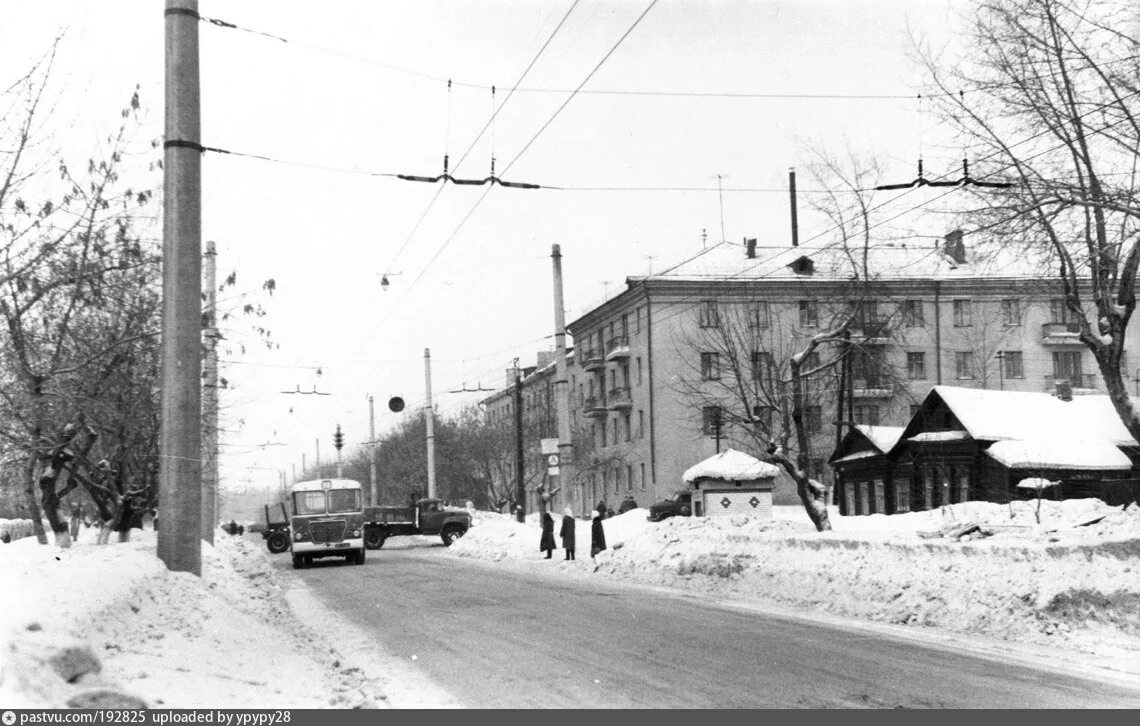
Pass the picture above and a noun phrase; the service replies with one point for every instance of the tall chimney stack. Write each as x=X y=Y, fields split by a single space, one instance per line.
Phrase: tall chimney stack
x=792 y=199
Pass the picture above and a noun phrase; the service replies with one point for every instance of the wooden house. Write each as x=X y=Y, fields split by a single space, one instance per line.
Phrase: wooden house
x=864 y=482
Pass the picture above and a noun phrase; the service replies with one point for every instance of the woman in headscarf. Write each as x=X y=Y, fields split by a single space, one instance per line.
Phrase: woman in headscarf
x=597 y=534
x=567 y=532
x=546 y=544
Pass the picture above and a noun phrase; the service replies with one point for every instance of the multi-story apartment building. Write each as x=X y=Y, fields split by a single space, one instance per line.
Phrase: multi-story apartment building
x=692 y=359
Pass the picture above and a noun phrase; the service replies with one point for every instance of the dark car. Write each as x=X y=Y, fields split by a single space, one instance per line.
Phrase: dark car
x=680 y=505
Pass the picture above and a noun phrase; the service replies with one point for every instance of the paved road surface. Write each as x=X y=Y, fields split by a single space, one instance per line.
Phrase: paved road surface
x=495 y=638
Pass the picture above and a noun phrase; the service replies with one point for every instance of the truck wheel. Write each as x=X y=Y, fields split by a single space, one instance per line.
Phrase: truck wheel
x=373 y=538
x=298 y=562
x=278 y=542
x=450 y=534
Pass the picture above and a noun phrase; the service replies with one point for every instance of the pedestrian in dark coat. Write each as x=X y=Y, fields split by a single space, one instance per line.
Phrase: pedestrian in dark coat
x=603 y=510
x=546 y=544
x=567 y=532
x=597 y=534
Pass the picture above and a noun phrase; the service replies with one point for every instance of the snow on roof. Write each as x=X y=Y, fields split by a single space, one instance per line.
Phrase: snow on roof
x=940 y=436
x=730 y=465
x=883 y=437
x=1036 y=483
x=1058 y=453
x=997 y=415
x=856 y=456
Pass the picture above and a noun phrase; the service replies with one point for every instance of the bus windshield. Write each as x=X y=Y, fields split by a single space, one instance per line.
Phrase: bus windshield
x=342 y=501
x=309 y=502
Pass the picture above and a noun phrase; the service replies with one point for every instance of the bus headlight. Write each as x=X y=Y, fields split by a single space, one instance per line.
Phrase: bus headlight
x=354 y=533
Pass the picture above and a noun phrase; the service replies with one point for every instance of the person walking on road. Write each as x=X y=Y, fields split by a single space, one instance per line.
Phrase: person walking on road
x=567 y=532
x=597 y=534
x=546 y=544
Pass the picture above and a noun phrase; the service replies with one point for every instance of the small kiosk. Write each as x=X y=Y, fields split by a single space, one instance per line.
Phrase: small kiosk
x=732 y=483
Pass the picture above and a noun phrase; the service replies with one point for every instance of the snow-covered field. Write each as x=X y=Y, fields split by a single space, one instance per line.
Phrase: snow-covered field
x=110 y=626
x=1064 y=582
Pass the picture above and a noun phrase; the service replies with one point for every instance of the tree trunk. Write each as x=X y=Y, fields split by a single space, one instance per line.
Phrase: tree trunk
x=33 y=500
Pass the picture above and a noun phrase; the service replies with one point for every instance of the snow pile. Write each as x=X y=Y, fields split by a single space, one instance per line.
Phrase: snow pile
x=15 y=529
x=499 y=536
x=1069 y=578
x=730 y=465
x=109 y=626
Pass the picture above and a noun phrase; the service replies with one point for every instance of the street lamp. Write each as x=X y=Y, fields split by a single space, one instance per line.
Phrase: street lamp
x=384 y=284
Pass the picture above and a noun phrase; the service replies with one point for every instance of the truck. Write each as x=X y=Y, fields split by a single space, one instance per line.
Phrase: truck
x=426 y=516
x=328 y=521
x=276 y=532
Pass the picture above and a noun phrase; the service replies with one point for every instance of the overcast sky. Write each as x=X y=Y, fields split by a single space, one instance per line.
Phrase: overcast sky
x=360 y=85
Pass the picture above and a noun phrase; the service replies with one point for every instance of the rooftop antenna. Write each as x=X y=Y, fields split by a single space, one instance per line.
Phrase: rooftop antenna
x=650 y=258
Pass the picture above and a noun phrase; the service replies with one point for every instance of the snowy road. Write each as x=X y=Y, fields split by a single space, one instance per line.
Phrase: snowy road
x=497 y=638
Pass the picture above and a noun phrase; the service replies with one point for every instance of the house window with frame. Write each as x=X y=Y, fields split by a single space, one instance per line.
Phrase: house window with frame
x=1059 y=311
x=643 y=477
x=962 y=317
x=628 y=426
x=641 y=423
x=639 y=370
x=762 y=367
x=711 y=421
x=913 y=314
x=758 y=315
x=866 y=314
x=1011 y=312
x=614 y=431
x=964 y=365
x=868 y=415
x=916 y=366
x=709 y=315
x=1013 y=364
x=813 y=419
x=710 y=366
x=1067 y=365
x=809 y=314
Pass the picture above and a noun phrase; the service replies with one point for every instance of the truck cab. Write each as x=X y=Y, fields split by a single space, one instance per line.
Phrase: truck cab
x=328 y=521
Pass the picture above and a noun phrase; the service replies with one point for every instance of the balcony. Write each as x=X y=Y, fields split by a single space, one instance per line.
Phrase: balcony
x=592 y=360
x=1060 y=334
x=594 y=407
x=617 y=348
x=1082 y=383
x=871 y=388
x=618 y=398
x=870 y=333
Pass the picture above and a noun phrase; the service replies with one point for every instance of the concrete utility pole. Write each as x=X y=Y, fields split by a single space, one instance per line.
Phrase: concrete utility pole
x=371 y=453
x=520 y=479
x=210 y=399
x=792 y=202
x=338 y=440
x=429 y=422
x=180 y=444
x=317 y=465
x=304 y=466
x=562 y=390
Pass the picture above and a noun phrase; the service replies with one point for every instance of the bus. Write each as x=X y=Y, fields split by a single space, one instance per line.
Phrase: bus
x=328 y=521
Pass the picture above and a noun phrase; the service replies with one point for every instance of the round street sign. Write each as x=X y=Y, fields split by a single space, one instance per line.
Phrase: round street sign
x=395 y=404
x=552 y=460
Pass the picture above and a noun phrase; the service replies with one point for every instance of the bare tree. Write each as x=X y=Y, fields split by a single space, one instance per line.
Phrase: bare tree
x=1047 y=98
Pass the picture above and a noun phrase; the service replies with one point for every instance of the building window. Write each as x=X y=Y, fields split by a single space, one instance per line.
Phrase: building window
x=639 y=371
x=614 y=431
x=913 y=314
x=709 y=316
x=916 y=366
x=762 y=416
x=641 y=423
x=643 y=477
x=866 y=314
x=1014 y=367
x=759 y=315
x=710 y=420
x=1011 y=311
x=1059 y=312
x=1067 y=364
x=964 y=364
x=710 y=366
x=628 y=427
x=813 y=419
x=629 y=477
x=809 y=314
x=962 y=314
x=762 y=367
x=868 y=415
x=625 y=326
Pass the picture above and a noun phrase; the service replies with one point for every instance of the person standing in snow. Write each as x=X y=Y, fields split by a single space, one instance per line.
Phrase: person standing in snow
x=603 y=510
x=546 y=544
x=567 y=532
x=597 y=534
x=627 y=504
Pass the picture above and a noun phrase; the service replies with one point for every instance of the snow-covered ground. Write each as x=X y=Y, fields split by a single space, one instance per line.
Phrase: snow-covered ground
x=1062 y=582
x=110 y=626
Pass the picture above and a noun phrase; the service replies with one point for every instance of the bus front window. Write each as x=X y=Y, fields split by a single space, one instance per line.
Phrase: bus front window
x=309 y=502
x=343 y=501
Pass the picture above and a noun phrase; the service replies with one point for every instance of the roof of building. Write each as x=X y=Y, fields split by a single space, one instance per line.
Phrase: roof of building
x=730 y=465
x=1059 y=453
x=923 y=258
x=883 y=437
x=863 y=442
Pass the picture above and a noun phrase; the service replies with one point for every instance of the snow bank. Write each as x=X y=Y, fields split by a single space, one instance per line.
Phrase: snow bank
x=1063 y=580
x=109 y=626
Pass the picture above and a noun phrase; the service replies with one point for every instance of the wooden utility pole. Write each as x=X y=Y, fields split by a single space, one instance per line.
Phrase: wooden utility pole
x=562 y=390
x=520 y=479
x=371 y=453
x=180 y=444
x=429 y=423
x=210 y=398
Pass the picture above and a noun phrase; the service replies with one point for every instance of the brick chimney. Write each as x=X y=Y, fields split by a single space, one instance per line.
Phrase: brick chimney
x=954 y=247
x=544 y=358
x=750 y=248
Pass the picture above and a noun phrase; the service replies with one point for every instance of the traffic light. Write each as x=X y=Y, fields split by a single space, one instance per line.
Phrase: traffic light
x=338 y=438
